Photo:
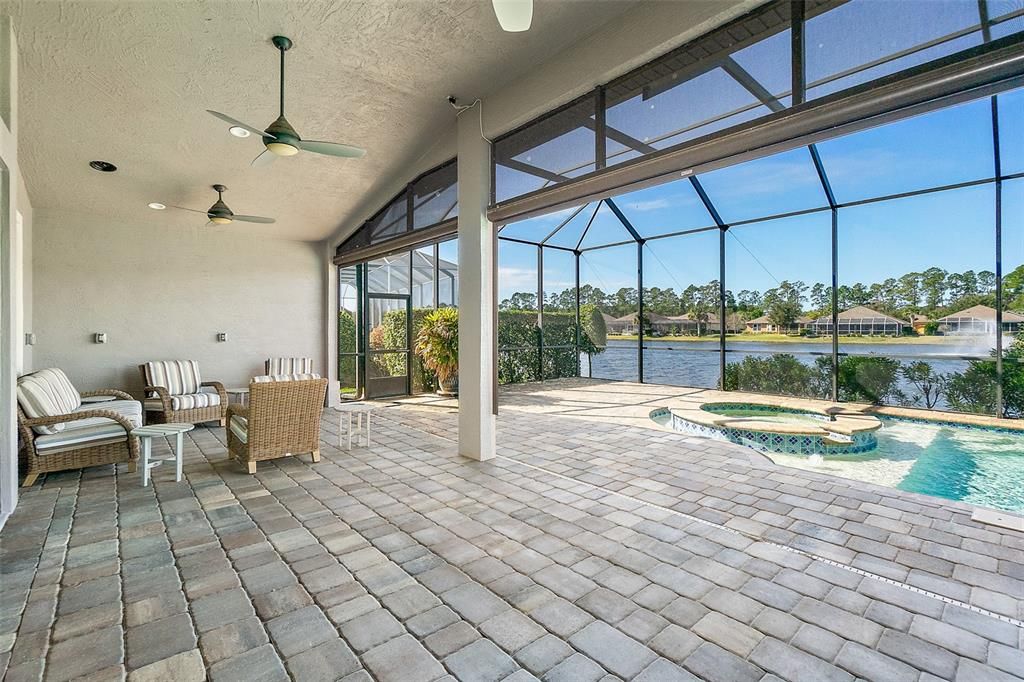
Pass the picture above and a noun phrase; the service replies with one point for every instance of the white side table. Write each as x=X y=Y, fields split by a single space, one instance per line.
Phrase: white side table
x=345 y=413
x=146 y=434
x=242 y=393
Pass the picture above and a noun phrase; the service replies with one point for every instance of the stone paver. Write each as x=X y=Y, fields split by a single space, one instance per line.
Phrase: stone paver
x=327 y=661
x=574 y=555
x=615 y=651
x=481 y=661
x=403 y=659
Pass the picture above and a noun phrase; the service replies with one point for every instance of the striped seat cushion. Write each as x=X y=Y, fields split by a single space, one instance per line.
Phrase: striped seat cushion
x=91 y=431
x=240 y=427
x=289 y=366
x=129 y=409
x=185 y=402
x=179 y=377
x=47 y=393
x=285 y=377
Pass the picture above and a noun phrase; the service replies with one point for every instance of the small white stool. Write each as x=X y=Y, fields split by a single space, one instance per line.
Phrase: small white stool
x=146 y=434
x=345 y=414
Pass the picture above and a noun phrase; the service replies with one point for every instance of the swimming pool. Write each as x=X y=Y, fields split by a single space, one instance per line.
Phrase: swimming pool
x=979 y=465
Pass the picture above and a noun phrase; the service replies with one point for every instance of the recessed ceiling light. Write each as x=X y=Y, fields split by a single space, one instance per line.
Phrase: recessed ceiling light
x=238 y=131
x=156 y=206
x=103 y=166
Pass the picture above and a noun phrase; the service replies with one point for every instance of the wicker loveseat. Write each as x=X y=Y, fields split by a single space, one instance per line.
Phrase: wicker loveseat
x=175 y=392
x=281 y=419
x=60 y=432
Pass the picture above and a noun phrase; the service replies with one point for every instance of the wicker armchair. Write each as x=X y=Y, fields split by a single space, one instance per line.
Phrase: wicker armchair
x=174 y=392
x=82 y=435
x=281 y=419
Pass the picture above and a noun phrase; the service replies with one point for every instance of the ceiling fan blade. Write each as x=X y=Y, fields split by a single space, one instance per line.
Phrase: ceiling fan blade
x=253 y=219
x=332 y=149
x=236 y=122
x=191 y=210
x=263 y=159
x=514 y=16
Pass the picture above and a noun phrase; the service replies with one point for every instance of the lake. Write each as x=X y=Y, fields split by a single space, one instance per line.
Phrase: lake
x=696 y=363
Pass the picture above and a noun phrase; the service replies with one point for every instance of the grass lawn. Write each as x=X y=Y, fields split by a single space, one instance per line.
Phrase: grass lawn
x=782 y=338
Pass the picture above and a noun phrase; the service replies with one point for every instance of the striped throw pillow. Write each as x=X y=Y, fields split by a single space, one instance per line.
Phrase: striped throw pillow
x=289 y=366
x=179 y=377
x=47 y=393
x=285 y=377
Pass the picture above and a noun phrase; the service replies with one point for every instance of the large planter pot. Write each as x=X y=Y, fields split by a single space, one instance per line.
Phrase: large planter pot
x=449 y=387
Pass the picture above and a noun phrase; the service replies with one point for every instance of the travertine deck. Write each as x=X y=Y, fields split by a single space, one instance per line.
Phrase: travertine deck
x=593 y=547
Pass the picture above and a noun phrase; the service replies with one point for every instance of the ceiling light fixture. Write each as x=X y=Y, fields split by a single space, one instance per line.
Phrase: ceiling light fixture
x=239 y=131
x=282 y=148
x=514 y=16
x=156 y=206
x=103 y=166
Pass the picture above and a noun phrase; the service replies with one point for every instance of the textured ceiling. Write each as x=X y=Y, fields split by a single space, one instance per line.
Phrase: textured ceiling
x=129 y=82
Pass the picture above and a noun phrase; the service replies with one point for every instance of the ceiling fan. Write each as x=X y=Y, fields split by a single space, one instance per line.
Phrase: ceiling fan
x=220 y=214
x=514 y=16
x=280 y=137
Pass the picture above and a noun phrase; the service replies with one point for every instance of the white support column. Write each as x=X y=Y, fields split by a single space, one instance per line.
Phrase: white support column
x=330 y=359
x=476 y=293
x=10 y=269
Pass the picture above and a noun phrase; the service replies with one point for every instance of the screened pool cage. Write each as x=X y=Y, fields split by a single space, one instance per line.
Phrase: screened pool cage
x=421 y=277
x=812 y=236
x=771 y=258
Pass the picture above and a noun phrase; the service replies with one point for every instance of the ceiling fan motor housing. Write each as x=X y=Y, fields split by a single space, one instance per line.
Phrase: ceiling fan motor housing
x=285 y=141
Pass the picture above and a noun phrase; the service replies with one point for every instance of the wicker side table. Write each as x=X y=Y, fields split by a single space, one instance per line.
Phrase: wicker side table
x=146 y=434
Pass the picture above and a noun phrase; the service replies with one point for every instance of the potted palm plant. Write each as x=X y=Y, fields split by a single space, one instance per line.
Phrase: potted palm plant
x=437 y=344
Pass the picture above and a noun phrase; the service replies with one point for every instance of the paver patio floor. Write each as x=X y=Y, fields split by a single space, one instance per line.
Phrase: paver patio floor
x=593 y=547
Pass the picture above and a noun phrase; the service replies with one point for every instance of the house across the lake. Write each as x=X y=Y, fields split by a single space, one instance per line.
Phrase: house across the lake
x=980 y=320
x=673 y=325
x=862 y=321
x=764 y=325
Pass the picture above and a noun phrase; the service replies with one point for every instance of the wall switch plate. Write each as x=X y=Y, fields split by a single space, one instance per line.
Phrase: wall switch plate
x=30 y=339
x=100 y=337
x=222 y=336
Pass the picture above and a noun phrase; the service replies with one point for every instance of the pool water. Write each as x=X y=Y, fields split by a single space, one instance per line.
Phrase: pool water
x=976 y=465
x=980 y=466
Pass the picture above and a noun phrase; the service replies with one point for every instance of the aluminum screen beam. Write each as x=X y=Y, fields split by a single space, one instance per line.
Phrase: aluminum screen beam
x=966 y=75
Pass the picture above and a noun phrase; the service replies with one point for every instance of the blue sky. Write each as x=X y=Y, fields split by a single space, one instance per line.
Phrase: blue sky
x=951 y=230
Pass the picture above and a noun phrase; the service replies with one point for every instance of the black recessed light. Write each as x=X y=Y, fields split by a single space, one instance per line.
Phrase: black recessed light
x=103 y=166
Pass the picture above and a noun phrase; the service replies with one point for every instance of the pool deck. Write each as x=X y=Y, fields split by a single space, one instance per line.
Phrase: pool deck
x=595 y=546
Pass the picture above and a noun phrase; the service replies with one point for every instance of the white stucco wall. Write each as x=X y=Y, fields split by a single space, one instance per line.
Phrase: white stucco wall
x=164 y=293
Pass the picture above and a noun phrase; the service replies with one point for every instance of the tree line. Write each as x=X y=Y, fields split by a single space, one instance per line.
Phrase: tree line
x=933 y=293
